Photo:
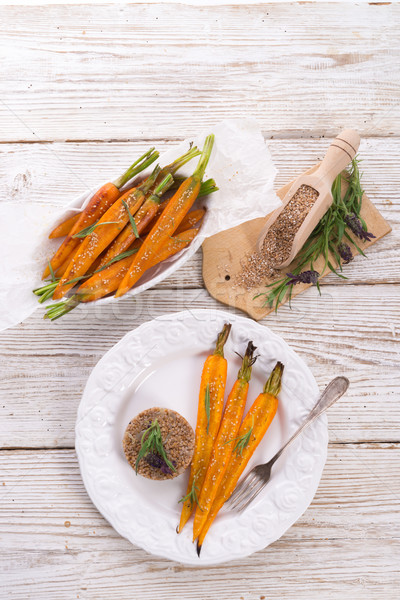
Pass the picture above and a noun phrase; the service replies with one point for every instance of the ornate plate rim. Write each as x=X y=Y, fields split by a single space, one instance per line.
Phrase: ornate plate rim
x=85 y=452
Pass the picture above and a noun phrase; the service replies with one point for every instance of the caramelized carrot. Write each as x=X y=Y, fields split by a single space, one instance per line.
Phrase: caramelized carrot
x=107 y=279
x=114 y=220
x=191 y=219
x=250 y=434
x=209 y=413
x=96 y=207
x=148 y=211
x=168 y=222
x=65 y=227
x=222 y=450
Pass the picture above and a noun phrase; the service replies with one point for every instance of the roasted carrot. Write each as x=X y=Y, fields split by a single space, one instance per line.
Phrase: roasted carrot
x=148 y=211
x=191 y=219
x=97 y=206
x=108 y=278
x=222 y=450
x=110 y=224
x=250 y=434
x=209 y=413
x=168 y=222
x=206 y=188
x=65 y=227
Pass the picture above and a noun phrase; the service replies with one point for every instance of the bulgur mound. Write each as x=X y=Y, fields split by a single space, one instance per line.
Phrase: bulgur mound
x=177 y=436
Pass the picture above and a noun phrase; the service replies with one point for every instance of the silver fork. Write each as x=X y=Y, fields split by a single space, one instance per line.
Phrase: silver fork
x=257 y=479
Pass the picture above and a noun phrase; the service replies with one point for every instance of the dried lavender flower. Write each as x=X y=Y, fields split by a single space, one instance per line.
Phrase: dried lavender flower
x=155 y=460
x=304 y=277
x=345 y=253
x=356 y=226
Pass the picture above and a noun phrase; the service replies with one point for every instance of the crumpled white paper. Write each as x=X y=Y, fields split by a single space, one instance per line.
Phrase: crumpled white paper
x=241 y=165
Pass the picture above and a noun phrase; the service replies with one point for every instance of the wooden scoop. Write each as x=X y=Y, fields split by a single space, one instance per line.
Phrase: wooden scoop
x=342 y=150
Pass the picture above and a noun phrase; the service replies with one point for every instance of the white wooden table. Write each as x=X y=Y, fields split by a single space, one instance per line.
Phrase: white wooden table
x=83 y=90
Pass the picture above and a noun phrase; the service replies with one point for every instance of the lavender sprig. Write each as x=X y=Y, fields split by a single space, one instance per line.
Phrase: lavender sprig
x=345 y=253
x=339 y=223
x=356 y=227
x=303 y=277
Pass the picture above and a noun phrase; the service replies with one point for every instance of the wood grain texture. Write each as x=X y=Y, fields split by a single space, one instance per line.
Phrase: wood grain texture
x=46 y=365
x=93 y=86
x=70 y=551
x=144 y=72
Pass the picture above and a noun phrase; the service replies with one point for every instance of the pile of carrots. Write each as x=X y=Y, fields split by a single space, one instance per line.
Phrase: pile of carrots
x=120 y=235
x=224 y=442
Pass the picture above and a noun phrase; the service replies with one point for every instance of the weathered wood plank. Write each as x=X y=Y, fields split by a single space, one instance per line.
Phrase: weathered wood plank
x=56 y=544
x=59 y=172
x=142 y=71
x=351 y=330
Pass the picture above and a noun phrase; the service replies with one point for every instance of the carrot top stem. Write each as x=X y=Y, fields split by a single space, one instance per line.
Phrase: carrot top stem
x=139 y=165
x=182 y=160
x=205 y=157
x=163 y=187
x=221 y=340
x=150 y=181
x=247 y=363
x=55 y=311
x=274 y=383
x=208 y=187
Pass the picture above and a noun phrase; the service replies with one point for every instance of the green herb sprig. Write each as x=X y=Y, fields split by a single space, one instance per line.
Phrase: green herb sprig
x=151 y=442
x=339 y=223
x=242 y=441
x=46 y=291
x=131 y=219
x=89 y=230
x=192 y=496
x=207 y=405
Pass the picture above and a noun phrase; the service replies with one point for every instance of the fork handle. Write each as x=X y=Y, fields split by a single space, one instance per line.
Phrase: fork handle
x=333 y=391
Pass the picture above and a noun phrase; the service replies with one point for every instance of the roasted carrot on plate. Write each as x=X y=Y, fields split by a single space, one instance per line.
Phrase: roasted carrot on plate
x=250 y=434
x=96 y=207
x=222 y=448
x=169 y=221
x=209 y=413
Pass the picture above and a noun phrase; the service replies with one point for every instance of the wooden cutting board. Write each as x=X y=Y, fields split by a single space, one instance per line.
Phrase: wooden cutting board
x=223 y=255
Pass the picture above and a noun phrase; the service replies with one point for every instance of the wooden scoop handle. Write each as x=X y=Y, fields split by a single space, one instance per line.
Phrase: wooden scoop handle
x=342 y=150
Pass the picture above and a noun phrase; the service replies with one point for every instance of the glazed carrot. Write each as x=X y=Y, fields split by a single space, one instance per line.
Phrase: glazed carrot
x=222 y=450
x=107 y=279
x=206 y=188
x=250 y=434
x=148 y=211
x=65 y=227
x=110 y=224
x=97 y=206
x=209 y=413
x=191 y=219
x=168 y=222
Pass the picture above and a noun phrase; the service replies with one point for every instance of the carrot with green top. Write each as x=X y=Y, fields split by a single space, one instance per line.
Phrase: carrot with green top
x=222 y=449
x=106 y=279
x=209 y=413
x=250 y=434
x=96 y=207
x=148 y=211
x=97 y=237
x=206 y=188
x=169 y=221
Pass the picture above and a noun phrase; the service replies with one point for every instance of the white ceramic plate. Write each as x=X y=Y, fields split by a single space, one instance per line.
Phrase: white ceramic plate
x=160 y=364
